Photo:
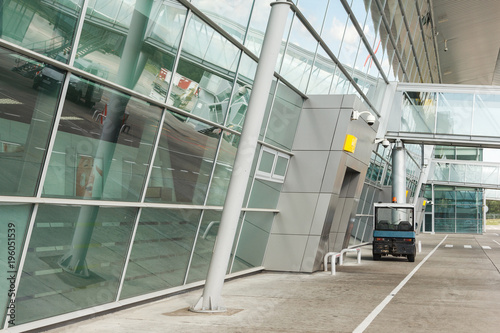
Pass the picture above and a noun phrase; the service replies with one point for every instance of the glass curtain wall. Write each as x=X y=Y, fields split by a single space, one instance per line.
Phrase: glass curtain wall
x=458 y=209
x=127 y=129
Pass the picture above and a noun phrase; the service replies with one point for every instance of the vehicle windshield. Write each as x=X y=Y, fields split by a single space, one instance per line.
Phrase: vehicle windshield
x=389 y=218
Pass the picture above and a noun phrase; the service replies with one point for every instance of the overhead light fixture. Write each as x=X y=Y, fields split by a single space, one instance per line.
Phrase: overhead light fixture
x=445 y=45
x=370 y=119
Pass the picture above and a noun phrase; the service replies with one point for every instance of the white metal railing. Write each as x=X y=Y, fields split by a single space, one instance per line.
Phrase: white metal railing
x=340 y=255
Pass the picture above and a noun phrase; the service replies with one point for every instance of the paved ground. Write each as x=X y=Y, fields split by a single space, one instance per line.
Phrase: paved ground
x=453 y=286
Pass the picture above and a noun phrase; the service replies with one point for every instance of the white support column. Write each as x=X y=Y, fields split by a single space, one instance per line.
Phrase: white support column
x=398 y=173
x=211 y=300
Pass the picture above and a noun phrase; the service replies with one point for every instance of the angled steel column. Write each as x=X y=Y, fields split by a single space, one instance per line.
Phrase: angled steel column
x=398 y=173
x=211 y=300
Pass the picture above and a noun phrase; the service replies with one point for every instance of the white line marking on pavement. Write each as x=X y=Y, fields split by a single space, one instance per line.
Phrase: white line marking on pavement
x=467 y=246
x=486 y=247
x=496 y=242
x=448 y=245
x=381 y=306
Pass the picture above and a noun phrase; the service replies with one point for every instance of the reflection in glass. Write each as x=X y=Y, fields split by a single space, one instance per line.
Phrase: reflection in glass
x=183 y=161
x=230 y=15
x=223 y=169
x=102 y=152
x=28 y=91
x=46 y=288
x=239 y=106
x=204 y=246
x=253 y=240
x=161 y=250
x=265 y=194
x=140 y=61
x=200 y=89
x=46 y=27
x=454 y=113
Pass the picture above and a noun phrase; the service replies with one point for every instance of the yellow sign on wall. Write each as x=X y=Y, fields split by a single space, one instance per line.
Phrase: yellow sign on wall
x=350 y=143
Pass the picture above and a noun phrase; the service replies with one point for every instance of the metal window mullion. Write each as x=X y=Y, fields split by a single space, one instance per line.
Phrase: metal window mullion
x=60 y=107
x=391 y=38
x=322 y=43
x=270 y=109
x=78 y=34
x=52 y=139
x=129 y=253
x=364 y=40
x=434 y=37
x=410 y=37
x=238 y=236
x=212 y=173
x=22 y=258
x=423 y=41
x=233 y=89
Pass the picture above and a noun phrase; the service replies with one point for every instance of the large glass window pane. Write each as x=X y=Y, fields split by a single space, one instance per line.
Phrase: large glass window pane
x=140 y=62
x=184 y=161
x=486 y=119
x=349 y=47
x=266 y=162
x=257 y=26
x=419 y=112
x=223 y=169
x=322 y=73
x=26 y=118
x=161 y=250
x=204 y=246
x=46 y=27
x=75 y=260
x=454 y=113
x=102 y=152
x=297 y=63
x=284 y=118
x=314 y=11
x=335 y=26
x=14 y=220
x=206 y=72
x=253 y=240
x=265 y=194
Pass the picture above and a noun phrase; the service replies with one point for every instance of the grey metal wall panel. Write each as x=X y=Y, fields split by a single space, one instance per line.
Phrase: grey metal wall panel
x=285 y=252
x=296 y=213
x=305 y=172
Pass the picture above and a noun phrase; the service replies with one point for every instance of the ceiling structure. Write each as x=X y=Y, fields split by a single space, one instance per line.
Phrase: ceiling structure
x=470 y=30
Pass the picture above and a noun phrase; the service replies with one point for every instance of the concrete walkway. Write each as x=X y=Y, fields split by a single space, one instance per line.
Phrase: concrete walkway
x=453 y=286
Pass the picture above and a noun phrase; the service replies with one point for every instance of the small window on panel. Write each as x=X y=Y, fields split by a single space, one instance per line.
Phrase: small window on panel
x=272 y=165
x=266 y=162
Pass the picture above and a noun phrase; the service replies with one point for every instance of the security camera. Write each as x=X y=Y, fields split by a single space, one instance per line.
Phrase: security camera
x=386 y=143
x=370 y=119
x=445 y=49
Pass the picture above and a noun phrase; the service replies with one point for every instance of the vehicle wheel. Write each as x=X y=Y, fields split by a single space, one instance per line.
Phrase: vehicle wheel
x=411 y=258
x=377 y=256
